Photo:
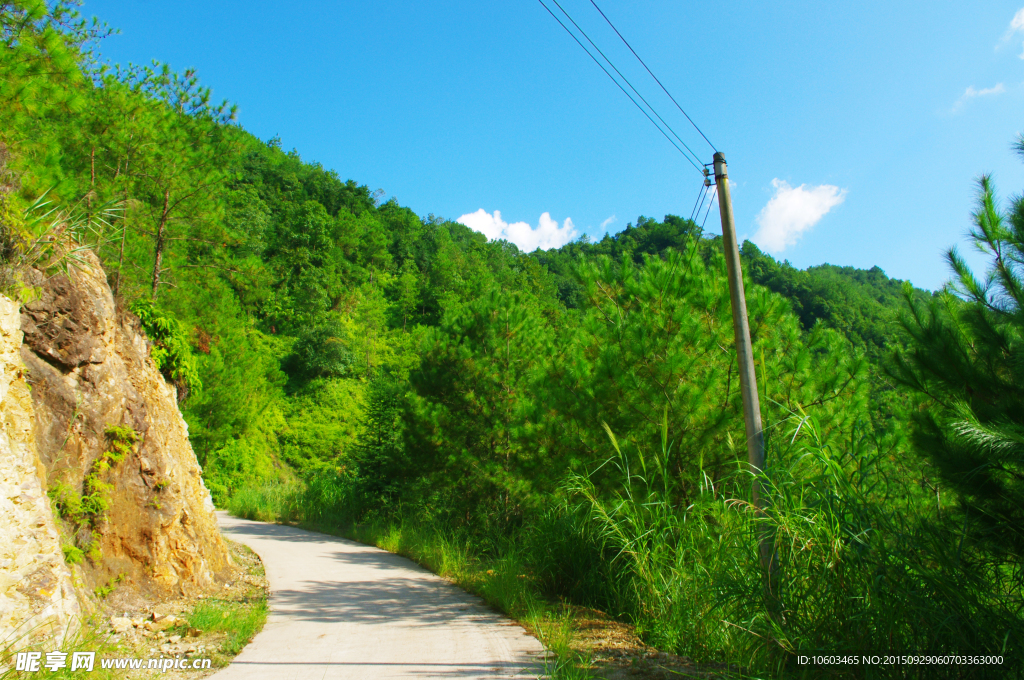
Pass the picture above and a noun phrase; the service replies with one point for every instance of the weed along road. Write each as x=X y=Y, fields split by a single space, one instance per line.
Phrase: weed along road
x=340 y=609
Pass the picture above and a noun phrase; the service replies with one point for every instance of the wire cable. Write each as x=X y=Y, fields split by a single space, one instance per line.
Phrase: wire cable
x=696 y=167
x=700 y=197
x=703 y=198
x=714 y=195
x=653 y=76
x=625 y=80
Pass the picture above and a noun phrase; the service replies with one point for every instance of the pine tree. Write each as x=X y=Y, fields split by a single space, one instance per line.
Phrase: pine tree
x=967 y=359
x=470 y=415
x=381 y=466
x=658 y=337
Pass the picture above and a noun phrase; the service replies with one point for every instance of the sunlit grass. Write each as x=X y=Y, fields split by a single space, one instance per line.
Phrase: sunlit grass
x=88 y=638
x=239 y=620
x=270 y=502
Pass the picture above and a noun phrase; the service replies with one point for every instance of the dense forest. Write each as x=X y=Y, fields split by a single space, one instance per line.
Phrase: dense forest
x=577 y=407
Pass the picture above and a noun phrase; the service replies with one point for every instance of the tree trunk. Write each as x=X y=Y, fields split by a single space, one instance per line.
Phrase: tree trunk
x=158 y=256
x=92 y=182
x=124 y=225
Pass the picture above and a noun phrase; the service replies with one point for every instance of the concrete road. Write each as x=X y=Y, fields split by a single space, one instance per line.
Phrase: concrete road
x=340 y=610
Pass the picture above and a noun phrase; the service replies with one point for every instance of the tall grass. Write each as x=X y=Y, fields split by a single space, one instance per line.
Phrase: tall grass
x=49 y=238
x=859 y=571
x=89 y=637
x=271 y=502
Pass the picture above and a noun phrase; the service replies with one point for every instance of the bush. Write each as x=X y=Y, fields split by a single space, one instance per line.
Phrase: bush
x=172 y=351
x=323 y=352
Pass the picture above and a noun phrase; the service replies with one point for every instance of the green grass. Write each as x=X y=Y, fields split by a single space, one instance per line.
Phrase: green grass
x=271 y=502
x=860 y=569
x=88 y=638
x=556 y=630
x=239 y=620
x=111 y=585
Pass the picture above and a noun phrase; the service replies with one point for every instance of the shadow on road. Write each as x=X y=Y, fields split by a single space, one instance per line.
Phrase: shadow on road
x=409 y=602
x=277 y=532
x=447 y=670
x=334 y=600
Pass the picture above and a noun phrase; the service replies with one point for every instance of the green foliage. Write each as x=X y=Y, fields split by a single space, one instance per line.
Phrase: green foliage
x=120 y=441
x=84 y=511
x=66 y=501
x=378 y=465
x=964 y=360
x=323 y=352
x=95 y=491
x=657 y=337
x=861 y=304
x=95 y=496
x=45 y=238
x=468 y=428
x=323 y=424
x=234 y=421
x=268 y=502
x=240 y=621
x=171 y=350
x=861 y=568
x=109 y=587
x=72 y=554
x=45 y=45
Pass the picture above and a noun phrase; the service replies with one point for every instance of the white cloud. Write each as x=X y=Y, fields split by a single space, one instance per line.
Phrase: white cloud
x=1017 y=23
x=971 y=93
x=791 y=212
x=547 y=234
x=1016 y=26
x=610 y=220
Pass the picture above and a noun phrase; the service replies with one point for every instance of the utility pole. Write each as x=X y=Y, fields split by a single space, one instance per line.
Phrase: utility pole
x=745 y=358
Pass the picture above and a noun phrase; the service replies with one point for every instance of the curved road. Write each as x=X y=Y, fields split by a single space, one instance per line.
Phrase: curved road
x=340 y=610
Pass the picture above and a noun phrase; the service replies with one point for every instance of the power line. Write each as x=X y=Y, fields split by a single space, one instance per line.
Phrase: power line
x=625 y=80
x=713 y=197
x=653 y=76
x=700 y=199
x=695 y=165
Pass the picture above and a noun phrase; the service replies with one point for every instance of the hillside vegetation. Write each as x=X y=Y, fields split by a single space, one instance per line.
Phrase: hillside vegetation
x=574 y=413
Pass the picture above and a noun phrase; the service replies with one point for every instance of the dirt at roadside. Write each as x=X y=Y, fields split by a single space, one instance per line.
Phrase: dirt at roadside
x=618 y=654
x=155 y=630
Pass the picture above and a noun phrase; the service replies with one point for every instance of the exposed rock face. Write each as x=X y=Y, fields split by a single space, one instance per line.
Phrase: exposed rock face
x=89 y=368
x=37 y=598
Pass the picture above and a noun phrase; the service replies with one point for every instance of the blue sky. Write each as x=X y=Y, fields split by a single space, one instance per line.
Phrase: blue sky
x=854 y=132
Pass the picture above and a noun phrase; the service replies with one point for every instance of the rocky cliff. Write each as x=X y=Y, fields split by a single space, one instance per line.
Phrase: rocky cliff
x=113 y=445
x=37 y=598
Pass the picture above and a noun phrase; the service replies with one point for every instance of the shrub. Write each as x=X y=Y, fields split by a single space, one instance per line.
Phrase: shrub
x=172 y=352
x=323 y=351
